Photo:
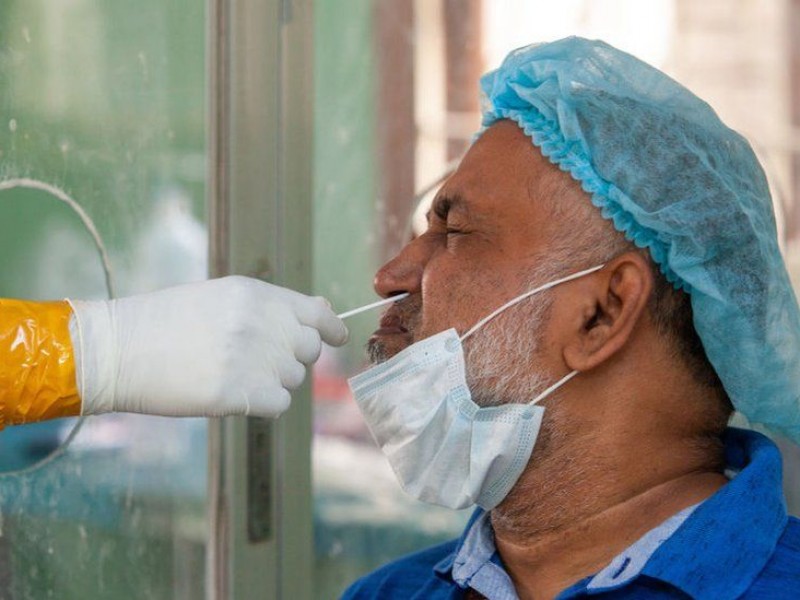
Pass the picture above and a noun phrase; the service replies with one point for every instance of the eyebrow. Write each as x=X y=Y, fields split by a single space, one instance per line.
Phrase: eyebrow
x=444 y=203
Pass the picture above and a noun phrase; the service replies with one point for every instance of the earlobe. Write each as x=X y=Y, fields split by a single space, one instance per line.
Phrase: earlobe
x=612 y=303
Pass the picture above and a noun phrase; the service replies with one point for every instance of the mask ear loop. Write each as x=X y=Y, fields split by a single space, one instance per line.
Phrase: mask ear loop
x=528 y=294
x=522 y=297
x=553 y=388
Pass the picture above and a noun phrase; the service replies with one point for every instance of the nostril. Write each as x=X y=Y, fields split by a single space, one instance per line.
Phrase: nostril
x=388 y=284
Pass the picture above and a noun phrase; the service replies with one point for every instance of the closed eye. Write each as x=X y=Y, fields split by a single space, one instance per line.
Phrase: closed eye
x=453 y=235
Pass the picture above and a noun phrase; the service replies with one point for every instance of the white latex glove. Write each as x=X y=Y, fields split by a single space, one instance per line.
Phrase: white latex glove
x=231 y=346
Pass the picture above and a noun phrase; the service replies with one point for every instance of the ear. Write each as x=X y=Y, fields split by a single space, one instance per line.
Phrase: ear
x=608 y=305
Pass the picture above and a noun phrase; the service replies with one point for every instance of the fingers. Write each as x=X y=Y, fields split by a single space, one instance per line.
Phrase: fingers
x=317 y=313
x=311 y=311
x=271 y=399
x=268 y=401
x=292 y=374
x=308 y=345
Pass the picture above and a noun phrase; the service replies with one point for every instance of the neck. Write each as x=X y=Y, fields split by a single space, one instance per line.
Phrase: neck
x=591 y=490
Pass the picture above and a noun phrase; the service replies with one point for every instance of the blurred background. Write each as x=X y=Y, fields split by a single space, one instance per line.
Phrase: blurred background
x=127 y=130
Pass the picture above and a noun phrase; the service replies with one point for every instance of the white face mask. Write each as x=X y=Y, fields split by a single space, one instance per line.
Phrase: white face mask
x=444 y=448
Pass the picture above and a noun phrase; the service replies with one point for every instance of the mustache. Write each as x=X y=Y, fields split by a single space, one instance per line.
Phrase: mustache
x=406 y=313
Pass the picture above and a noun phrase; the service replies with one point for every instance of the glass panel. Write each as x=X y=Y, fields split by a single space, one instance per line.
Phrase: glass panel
x=104 y=102
x=397 y=102
x=51 y=250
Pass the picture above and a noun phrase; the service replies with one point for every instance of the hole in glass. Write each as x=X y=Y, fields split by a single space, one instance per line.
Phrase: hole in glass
x=50 y=250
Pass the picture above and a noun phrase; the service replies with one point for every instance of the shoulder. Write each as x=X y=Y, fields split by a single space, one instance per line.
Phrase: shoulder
x=403 y=577
x=791 y=536
x=787 y=552
x=781 y=575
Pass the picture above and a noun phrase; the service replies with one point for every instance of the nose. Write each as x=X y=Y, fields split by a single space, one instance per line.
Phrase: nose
x=404 y=272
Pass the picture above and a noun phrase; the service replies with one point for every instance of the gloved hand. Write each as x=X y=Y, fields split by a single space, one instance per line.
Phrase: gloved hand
x=231 y=346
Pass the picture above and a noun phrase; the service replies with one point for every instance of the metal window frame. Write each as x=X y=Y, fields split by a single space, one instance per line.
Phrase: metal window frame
x=260 y=66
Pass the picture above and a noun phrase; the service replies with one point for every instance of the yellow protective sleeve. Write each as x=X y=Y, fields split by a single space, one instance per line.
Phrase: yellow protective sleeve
x=37 y=363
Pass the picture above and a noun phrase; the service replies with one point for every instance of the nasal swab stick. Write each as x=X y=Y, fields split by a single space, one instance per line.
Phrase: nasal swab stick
x=367 y=307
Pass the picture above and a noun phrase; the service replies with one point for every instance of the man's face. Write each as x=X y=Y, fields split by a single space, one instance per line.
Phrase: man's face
x=488 y=233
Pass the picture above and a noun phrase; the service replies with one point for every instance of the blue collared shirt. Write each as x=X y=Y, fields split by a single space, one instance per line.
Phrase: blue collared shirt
x=739 y=543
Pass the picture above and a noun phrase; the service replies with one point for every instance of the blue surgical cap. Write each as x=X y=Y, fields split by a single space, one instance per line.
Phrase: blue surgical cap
x=658 y=162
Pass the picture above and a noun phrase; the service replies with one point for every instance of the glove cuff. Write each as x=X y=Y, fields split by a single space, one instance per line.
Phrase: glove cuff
x=92 y=331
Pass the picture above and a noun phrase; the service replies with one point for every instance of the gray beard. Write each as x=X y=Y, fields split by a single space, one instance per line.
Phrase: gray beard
x=376 y=352
x=499 y=356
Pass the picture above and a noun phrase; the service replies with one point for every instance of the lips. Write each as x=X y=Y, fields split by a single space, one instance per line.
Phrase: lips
x=390 y=324
x=396 y=330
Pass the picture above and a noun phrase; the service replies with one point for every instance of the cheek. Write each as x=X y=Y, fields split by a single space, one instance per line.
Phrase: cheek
x=458 y=294
x=442 y=289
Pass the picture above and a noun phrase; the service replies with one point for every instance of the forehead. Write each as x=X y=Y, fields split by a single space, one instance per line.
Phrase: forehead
x=501 y=169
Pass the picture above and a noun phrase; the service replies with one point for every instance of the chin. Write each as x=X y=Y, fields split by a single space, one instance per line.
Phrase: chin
x=382 y=348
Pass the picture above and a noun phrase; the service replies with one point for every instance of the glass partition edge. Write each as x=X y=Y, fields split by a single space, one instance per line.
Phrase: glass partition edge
x=260 y=67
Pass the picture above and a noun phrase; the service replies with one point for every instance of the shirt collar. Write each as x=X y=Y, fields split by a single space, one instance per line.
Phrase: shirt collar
x=724 y=545
x=444 y=567
x=628 y=565
x=476 y=563
x=703 y=550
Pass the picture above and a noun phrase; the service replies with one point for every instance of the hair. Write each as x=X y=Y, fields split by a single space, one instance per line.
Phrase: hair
x=590 y=240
